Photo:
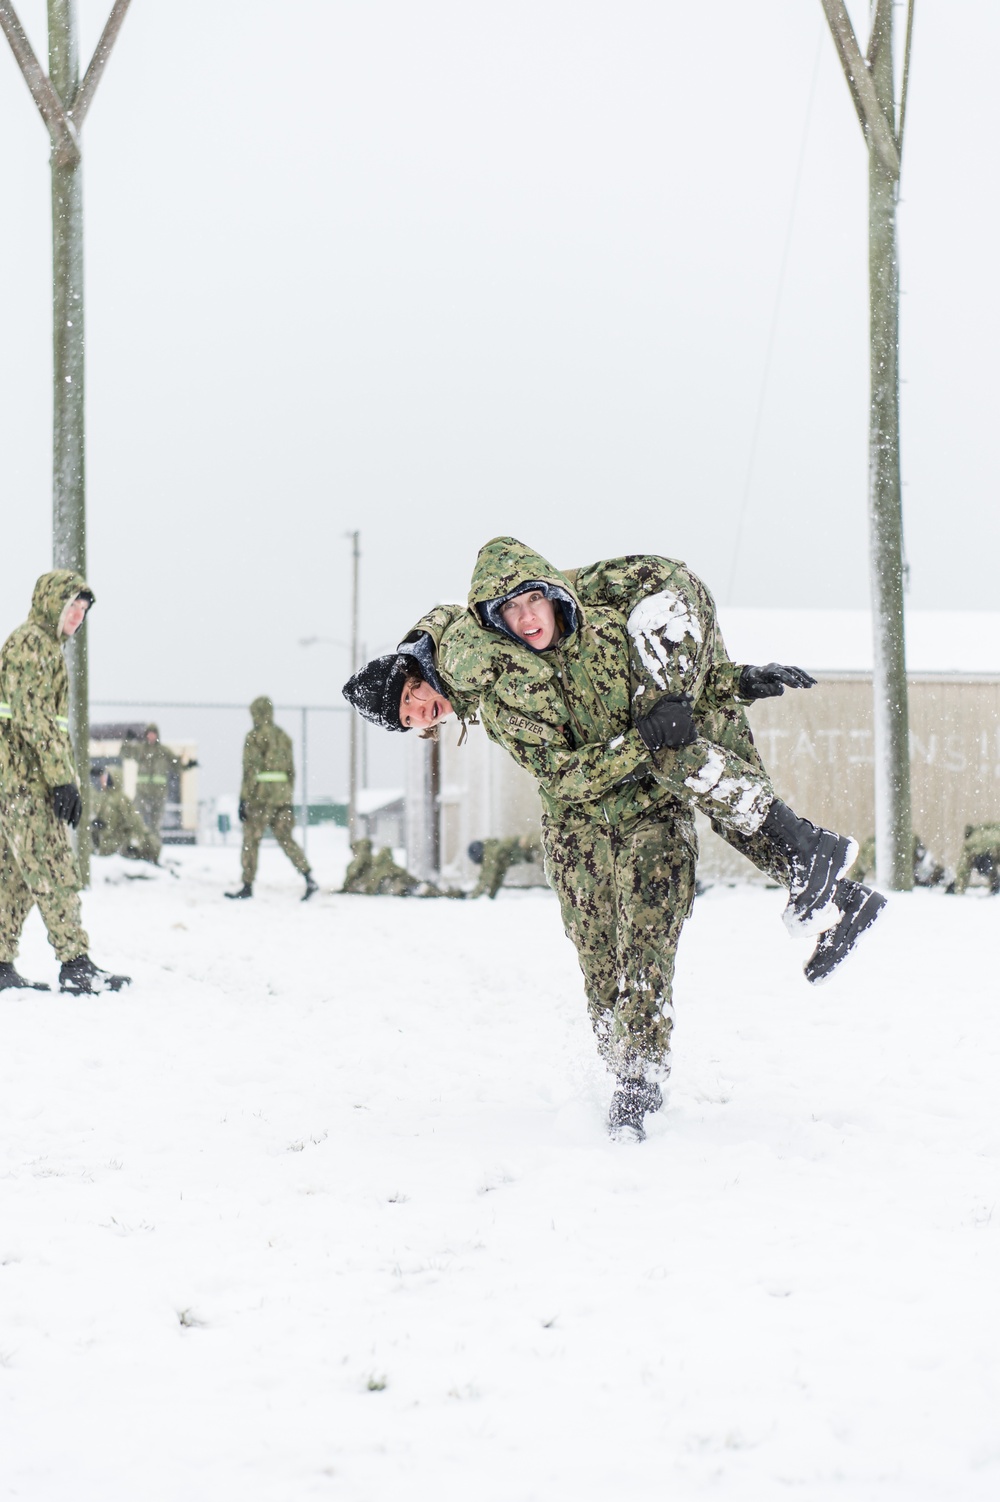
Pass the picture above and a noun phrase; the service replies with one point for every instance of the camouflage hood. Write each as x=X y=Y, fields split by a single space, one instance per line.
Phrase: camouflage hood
x=262 y=712
x=505 y=568
x=53 y=592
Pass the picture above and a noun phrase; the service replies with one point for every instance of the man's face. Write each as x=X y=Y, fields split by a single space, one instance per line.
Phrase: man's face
x=151 y=737
x=531 y=617
x=75 y=612
x=419 y=706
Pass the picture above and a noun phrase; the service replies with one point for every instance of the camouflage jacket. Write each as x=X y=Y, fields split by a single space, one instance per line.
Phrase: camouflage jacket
x=268 y=763
x=154 y=762
x=34 y=689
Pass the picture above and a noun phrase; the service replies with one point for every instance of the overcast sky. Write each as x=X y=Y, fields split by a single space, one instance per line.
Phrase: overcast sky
x=593 y=272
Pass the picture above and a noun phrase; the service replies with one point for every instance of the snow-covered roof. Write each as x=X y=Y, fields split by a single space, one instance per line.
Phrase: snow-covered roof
x=370 y=800
x=937 y=641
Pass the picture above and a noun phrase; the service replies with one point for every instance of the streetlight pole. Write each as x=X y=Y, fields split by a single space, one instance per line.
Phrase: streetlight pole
x=352 y=788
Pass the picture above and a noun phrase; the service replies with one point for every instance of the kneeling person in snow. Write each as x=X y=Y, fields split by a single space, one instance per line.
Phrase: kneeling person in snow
x=116 y=827
x=39 y=789
x=266 y=797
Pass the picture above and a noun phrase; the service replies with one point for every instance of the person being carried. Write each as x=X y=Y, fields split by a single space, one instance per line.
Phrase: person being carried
x=40 y=791
x=266 y=797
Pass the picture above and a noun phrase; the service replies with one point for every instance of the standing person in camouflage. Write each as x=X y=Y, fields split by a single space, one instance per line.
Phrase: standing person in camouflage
x=266 y=797
x=117 y=829
x=154 y=763
x=39 y=789
x=495 y=858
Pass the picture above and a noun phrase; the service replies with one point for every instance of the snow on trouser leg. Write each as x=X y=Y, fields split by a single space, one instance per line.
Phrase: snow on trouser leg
x=860 y=907
x=817 y=860
x=633 y=1100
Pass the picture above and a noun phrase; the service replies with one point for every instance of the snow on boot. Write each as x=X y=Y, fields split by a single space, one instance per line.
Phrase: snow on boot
x=817 y=859
x=311 y=887
x=245 y=891
x=81 y=977
x=10 y=980
x=859 y=907
x=629 y=1104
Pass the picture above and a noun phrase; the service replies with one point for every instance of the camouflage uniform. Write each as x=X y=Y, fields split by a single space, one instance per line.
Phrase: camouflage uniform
x=980 y=852
x=377 y=875
x=266 y=790
x=37 y=864
x=497 y=858
x=154 y=765
x=117 y=829
x=927 y=870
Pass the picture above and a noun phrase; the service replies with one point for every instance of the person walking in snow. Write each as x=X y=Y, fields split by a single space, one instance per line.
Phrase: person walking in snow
x=558 y=686
x=266 y=797
x=40 y=790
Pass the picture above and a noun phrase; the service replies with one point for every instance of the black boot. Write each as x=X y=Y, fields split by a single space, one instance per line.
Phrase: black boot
x=311 y=886
x=11 y=981
x=859 y=907
x=246 y=890
x=817 y=859
x=81 y=977
x=632 y=1100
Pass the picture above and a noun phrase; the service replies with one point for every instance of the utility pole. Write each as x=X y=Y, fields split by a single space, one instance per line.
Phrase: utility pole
x=352 y=788
x=871 y=84
x=63 y=102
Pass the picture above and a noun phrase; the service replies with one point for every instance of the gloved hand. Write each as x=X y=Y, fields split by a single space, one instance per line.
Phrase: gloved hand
x=769 y=681
x=187 y=765
x=668 y=725
x=67 y=803
x=242 y=810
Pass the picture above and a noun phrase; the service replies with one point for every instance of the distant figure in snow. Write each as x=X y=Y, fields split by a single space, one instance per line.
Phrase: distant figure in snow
x=117 y=829
x=495 y=858
x=376 y=874
x=266 y=797
x=39 y=789
x=980 y=853
x=927 y=869
x=154 y=762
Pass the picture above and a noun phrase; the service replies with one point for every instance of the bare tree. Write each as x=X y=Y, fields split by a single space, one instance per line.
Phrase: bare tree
x=63 y=101
x=871 y=83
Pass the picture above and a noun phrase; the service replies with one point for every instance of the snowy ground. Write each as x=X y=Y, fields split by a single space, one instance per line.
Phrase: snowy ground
x=323 y=1207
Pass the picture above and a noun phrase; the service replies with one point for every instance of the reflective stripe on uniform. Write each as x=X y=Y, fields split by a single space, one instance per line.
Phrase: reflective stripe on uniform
x=62 y=722
x=5 y=713
x=160 y=781
x=272 y=776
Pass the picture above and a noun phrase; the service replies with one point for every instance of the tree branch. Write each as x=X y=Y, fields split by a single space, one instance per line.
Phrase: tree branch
x=877 y=129
x=102 y=52
x=50 y=106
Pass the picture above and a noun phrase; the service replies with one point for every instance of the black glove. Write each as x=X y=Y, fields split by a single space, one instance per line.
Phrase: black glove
x=669 y=725
x=242 y=810
x=67 y=803
x=187 y=765
x=769 y=681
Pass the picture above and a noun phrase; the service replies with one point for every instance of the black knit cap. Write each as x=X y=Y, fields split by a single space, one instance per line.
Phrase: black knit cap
x=376 y=689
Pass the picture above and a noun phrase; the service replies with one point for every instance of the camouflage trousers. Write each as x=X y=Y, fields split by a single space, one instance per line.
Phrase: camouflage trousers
x=980 y=852
x=625 y=891
x=37 y=865
x=281 y=822
x=151 y=801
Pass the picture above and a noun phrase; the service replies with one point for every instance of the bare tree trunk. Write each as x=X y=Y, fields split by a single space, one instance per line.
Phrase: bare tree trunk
x=69 y=537
x=893 y=827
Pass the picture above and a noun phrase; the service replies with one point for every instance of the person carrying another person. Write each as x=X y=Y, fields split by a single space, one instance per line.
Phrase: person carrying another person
x=154 y=764
x=609 y=706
